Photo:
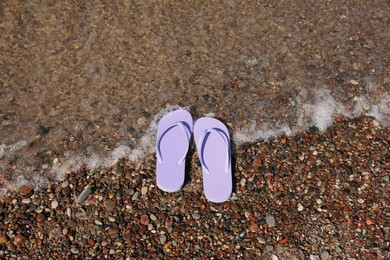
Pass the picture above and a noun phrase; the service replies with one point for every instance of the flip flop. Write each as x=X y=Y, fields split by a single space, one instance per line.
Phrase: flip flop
x=213 y=144
x=173 y=138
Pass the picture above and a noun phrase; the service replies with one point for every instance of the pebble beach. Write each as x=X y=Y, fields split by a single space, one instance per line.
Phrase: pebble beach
x=310 y=196
x=303 y=87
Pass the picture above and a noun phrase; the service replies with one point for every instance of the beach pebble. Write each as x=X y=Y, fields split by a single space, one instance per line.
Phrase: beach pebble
x=325 y=255
x=300 y=207
x=144 y=190
x=25 y=190
x=314 y=257
x=54 y=204
x=135 y=196
x=153 y=217
x=274 y=257
x=196 y=215
x=84 y=194
x=163 y=239
x=269 y=248
x=270 y=220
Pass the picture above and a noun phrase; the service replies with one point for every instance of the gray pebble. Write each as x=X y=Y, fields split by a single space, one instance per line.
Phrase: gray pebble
x=163 y=239
x=135 y=196
x=153 y=217
x=274 y=257
x=314 y=257
x=84 y=194
x=324 y=255
x=74 y=250
x=270 y=220
x=196 y=215
x=269 y=248
x=339 y=250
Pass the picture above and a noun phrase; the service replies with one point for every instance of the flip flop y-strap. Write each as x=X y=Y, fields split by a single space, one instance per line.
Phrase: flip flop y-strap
x=202 y=141
x=186 y=131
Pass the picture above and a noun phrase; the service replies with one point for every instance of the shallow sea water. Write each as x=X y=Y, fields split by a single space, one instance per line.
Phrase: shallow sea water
x=86 y=84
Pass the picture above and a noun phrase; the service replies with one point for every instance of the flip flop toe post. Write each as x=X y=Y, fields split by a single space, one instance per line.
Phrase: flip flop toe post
x=214 y=151
x=173 y=138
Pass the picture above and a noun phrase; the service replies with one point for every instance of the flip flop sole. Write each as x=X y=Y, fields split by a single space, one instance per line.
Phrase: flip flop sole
x=173 y=136
x=214 y=150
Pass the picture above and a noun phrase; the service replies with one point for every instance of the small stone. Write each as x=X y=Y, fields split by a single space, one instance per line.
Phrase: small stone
x=314 y=257
x=111 y=219
x=163 y=239
x=65 y=184
x=40 y=217
x=257 y=162
x=144 y=190
x=84 y=194
x=113 y=232
x=153 y=217
x=269 y=248
x=3 y=239
x=274 y=257
x=325 y=255
x=110 y=204
x=26 y=201
x=361 y=201
x=144 y=219
x=270 y=220
x=354 y=82
x=196 y=215
x=18 y=240
x=91 y=242
x=74 y=250
x=25 y=190
x=300 y=207
x=54 y=204
x=65 y=231
x=339 y=250
x=135 y=196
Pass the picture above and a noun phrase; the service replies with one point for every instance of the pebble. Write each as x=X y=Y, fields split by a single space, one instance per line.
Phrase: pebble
x=274 y=257
x=269 y=248
x=54 y=204
x=113 y=232
x=18 y=240
x=84 y=194
x=26 y=200
x=135 y=196
x=300 y=207
x=314 y=257
x=74 y=250
x=354 y=82
x=40 y=217
x=144 y=219
x=153 y=217
x=325 y=255
x=270 y=220
x=3 y=239
x=163 y=239
x=25 y=190
x=110 y=205
x=144 y=190
x=196 y=215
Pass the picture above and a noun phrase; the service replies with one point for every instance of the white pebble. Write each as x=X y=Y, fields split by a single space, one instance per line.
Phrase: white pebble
x=54 y=204
x=300 y=207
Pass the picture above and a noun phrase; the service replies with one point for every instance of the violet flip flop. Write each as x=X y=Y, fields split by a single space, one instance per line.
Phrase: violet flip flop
x=213 y=144
x=173 y=138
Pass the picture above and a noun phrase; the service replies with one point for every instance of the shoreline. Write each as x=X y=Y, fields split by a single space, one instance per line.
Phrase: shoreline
x=312 y=195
